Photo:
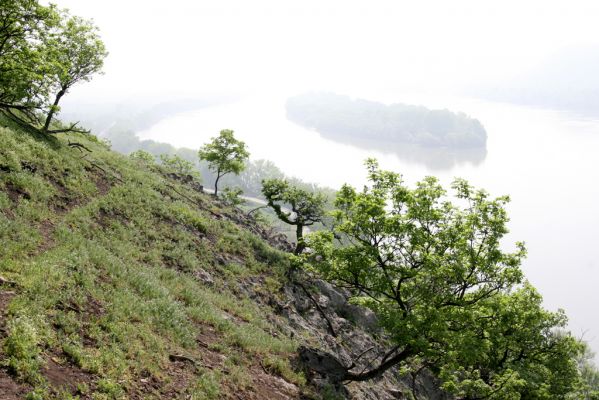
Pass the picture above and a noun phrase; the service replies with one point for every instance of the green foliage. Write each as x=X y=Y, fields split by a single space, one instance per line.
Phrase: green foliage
x=512 y=346
x=143 y=157
x=305 y=208
x=43 y=53
x=76 y=53
x=24 y=25
x=444 y=289
x=224 y=155
x=178 y=165
x=21 y=347
x=340 y=116
x=232 y=196
x=106 y=263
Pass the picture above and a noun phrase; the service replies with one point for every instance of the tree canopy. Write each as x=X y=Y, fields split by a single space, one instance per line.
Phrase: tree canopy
x=335 y=116
x=43 y=53
x=512 y=347
x=225 y=154
x=77 y=53
x=443 y=288
x=305 y=208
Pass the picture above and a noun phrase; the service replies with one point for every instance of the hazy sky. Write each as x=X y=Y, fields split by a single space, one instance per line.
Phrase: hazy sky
x=227 y=45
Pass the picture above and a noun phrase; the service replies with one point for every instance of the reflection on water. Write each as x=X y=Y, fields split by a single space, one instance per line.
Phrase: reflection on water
x=433 y=158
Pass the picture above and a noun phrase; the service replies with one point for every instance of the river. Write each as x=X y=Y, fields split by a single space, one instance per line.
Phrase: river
x=547 y=161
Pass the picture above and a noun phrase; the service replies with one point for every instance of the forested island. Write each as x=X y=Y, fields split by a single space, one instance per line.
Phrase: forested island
x=335 y=116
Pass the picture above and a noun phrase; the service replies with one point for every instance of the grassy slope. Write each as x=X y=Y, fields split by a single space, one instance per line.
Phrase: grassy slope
x=100 y=258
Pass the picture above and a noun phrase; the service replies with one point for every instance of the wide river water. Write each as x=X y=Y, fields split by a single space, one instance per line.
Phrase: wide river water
x=547 y=161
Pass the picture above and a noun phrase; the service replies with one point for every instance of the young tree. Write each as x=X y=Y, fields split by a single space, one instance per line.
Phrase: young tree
x=306 y=208
x=224 y=155
x=76 y=53
x=421 y=263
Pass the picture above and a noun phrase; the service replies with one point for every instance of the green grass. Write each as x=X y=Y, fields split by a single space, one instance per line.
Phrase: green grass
x=104 y=251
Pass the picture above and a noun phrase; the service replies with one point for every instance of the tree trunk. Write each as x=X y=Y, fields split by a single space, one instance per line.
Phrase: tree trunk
x=53 y=109
x=383 y=366
x=218 y=175
x=299 y=233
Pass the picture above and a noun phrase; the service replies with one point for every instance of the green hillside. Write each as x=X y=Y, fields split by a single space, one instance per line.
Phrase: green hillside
x=118 y=282
x=122 y=280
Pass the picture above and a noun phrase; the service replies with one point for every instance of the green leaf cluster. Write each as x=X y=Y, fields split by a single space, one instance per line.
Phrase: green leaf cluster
x=305 y=208
x=43 y=53
x=225 y=154
x=175 y=164
x=437 y=276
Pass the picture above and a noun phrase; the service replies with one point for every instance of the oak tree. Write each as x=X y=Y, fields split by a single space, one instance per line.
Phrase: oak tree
x=445 y=291
x=225 y=154
x=423 y=264
x=294 y=206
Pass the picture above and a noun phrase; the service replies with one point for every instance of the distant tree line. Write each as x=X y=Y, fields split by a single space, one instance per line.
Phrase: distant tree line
x=249 y=180
x=337 y=116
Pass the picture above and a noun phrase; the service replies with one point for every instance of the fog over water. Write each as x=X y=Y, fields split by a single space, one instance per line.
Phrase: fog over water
x=426 y=52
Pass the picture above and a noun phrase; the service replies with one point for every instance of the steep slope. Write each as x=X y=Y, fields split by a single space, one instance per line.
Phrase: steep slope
x=117 y=282
x=121 y=280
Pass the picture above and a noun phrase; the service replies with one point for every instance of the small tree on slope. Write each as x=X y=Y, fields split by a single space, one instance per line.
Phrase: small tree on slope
x=306 y=208
x=224 y=155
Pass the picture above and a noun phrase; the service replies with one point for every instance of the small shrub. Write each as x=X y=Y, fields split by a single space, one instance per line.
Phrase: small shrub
x=178 y=165
x=207 y=386
x=21 y=347
x=232 y=196
x=110 y=388
x=143 y=157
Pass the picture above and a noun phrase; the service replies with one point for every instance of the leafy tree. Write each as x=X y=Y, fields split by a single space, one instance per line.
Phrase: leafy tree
x=446 y=293
x=24 y=26
x=305 y=208
x=421 y=263
x=77 y=53
x=224 y=155
x=43 y=53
